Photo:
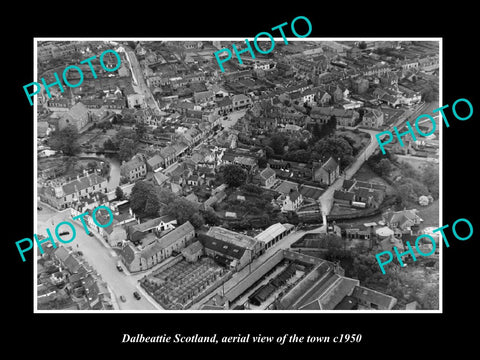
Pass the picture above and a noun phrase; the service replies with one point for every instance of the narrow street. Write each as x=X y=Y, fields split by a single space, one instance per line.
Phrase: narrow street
x=141 y=85
x=101 y=258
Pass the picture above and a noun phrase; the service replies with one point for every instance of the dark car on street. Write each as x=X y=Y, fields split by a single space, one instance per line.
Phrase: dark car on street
x=136 y=295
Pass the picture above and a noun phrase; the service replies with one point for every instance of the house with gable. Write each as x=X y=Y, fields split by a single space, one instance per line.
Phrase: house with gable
x=327 y=173
x=134 y=169
x=403 y=220
x=64 y=195
x=139 y=231
x=155 y=162
x=373 y=118
x=266 y=177
x=78 y=117
x=241 y=101
x=169 y=154
x=291 y=201
x=139 y=258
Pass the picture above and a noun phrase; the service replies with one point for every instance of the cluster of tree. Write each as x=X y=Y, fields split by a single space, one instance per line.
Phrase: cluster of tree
x=412 y=183
x=144 y=200
x=336 y=147
x=277 y=143
x=381 y=164
x=126 y=142
x=232 y=175
x=410 y=189
x=148 y=201
x=183 y=210
x=324 y=130
x=65 y=140
x=429 y=95
x=119 y=195
x=104 y=125
x=321 y=150
x=430 y=177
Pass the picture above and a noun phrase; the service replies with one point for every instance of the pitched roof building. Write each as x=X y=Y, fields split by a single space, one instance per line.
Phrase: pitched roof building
x=143 y=258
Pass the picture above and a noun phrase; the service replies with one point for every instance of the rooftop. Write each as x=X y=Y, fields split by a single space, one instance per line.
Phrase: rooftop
x=273 y=231
x=232 y=237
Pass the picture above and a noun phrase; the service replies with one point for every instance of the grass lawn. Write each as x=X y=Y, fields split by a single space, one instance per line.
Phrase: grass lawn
x=430 y=214
x=417 y=163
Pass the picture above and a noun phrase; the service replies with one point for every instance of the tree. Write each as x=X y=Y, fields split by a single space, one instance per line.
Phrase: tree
x=144 y=200
x=65 y=140
x=262 y=162
x=140 y=130
x=197 y=220
x=334 y=146
x=277 y=143
x=298 y=155
x=166 y=196
x=109 y=145
x=211 y=217
x=384 y=167
x=233 y=175
x=183 y=210
x=126 y=149
x=119 y=193
x=268 y=152
x=330 y=126
x=297 y=145
x=317 y=131
x=430 y=177
x=152 y=205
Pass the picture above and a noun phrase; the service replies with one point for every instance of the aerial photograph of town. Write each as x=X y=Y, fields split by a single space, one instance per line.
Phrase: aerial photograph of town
x=258 y=188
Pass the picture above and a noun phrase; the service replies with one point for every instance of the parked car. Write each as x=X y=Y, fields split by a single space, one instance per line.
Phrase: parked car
x=90 y=234
x=122 y=298
x=39 y=208
x=119 y=266
x=64 y=233
x=137 y=295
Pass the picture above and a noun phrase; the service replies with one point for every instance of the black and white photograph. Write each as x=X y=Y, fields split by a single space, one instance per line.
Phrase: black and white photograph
x=260 y=187
x=293 y=181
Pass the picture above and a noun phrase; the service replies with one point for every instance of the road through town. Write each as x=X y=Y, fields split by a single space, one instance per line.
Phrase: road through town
x=101 y=258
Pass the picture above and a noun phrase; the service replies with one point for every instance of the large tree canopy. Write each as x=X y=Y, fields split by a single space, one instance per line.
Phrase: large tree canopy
x=183 y=210
x=336 y=147
x=65 y=140
x=233 y=175
x=144 y=200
